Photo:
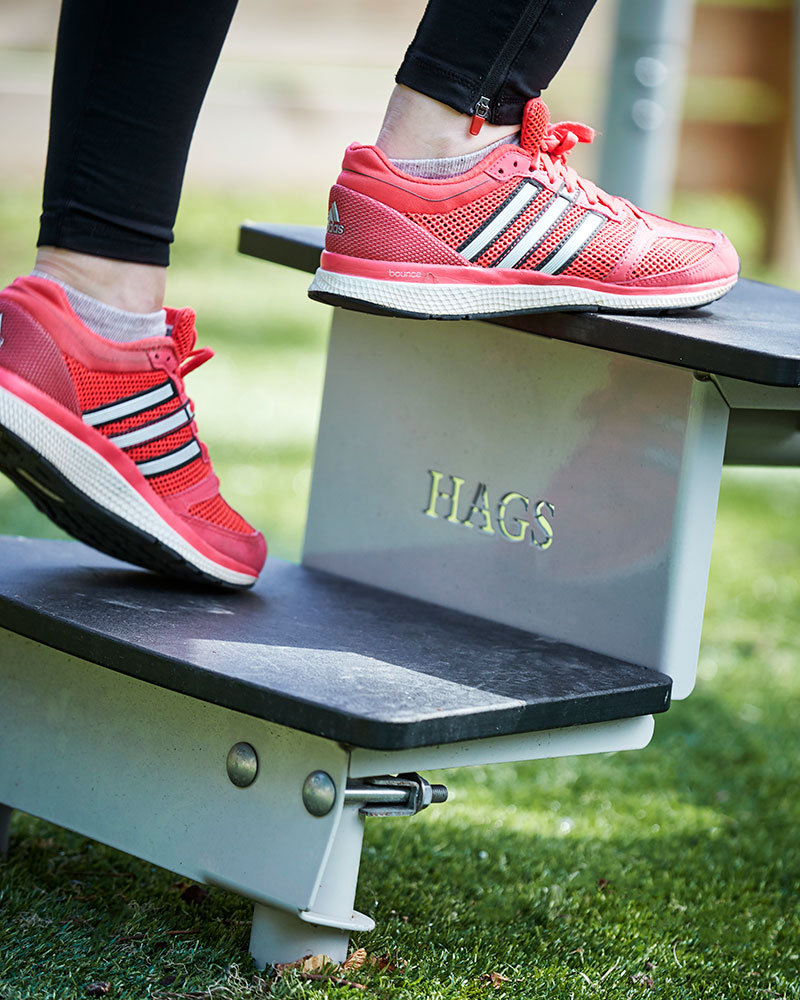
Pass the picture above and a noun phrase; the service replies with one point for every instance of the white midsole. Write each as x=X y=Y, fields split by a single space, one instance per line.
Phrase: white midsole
x=473 y=299
x=100 y=481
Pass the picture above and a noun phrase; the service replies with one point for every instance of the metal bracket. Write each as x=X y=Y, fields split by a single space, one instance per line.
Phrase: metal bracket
x=387 y=795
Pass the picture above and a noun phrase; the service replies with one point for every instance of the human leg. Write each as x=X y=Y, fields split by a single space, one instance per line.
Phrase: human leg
x=511 y=228
x=95 y=424
x=482 y=60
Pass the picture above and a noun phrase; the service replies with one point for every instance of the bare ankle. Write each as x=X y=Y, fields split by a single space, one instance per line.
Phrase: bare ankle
x=136 y=288
x=417 y=127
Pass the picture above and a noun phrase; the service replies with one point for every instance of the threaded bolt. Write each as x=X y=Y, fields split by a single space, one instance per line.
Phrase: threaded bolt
x=438 y=793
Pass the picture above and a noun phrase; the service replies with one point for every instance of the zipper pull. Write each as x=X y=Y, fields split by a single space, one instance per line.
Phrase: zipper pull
x=479 y=115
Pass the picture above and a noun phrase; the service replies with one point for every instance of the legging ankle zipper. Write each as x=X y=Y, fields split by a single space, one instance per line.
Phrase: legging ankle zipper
x=499 y=68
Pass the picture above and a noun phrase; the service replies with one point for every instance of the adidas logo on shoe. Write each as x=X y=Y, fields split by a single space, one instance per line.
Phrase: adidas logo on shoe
x=334 y=225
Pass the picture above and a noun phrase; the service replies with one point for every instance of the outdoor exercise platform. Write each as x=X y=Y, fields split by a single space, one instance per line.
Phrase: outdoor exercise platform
x=506 y=558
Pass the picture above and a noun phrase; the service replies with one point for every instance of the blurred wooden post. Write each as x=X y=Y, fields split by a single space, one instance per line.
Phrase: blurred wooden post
x=738 y=116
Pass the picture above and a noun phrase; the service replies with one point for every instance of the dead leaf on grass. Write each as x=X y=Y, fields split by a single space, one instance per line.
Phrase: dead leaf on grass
x=387 y=963
x=356 y=960
x=98 y=989
x=496 y=979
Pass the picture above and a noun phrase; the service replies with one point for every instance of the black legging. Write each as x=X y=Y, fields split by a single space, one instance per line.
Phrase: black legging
x=131 y=75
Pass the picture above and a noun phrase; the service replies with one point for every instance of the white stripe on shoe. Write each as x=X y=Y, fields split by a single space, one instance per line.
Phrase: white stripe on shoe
x=130 y=405
x=172 y=460
x=158 y=428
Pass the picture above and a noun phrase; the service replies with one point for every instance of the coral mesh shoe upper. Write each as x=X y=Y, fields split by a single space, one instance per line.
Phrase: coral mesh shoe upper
x=102 y=437
x=521 y=231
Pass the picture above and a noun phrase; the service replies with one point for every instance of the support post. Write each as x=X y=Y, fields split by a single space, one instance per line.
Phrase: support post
x=5 y=825
x=642 y=125
x=284 y=936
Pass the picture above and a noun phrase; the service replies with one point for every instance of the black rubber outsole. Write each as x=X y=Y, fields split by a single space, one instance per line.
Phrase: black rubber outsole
x=80 y=516
x=358 y=305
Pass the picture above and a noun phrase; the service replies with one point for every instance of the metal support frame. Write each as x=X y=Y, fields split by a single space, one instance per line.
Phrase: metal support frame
x=150 y=772
x=144 y=769
x=278 y=936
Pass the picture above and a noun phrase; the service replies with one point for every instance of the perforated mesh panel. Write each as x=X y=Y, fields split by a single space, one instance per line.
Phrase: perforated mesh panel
x=604 y=251
x=181 y=479
x=534 y=125
x=97 y=389
x=668 y=254
x=218 y=512
x=455 y=227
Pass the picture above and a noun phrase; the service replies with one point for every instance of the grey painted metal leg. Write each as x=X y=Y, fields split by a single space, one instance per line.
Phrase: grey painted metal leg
x=5 y=824
x=127 y=762
x=280 y=935
x=643 y=121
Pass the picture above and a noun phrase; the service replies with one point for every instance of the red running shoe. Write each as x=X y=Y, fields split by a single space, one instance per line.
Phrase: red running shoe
x=101 y=437
x=521 y=232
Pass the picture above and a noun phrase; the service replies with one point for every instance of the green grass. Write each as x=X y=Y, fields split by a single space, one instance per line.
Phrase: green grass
x=673 y=872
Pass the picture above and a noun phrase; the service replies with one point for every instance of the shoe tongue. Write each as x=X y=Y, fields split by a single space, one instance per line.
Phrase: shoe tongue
x=535 y=120
x=183 y=333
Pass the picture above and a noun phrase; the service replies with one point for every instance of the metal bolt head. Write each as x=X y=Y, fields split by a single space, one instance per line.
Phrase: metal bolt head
x=319 y=793
x=242 y=764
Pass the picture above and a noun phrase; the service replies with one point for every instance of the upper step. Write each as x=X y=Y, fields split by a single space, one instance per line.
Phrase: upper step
x=752 y=333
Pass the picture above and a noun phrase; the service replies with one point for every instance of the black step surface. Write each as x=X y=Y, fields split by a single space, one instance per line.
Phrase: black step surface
x=316 y=652
x=752 y=333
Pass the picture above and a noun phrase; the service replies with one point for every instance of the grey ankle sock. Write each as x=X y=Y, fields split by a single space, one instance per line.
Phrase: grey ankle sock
x=449 y=166
x=108 y=321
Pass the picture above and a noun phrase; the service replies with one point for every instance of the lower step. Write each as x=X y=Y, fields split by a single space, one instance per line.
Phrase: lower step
x=317 y=652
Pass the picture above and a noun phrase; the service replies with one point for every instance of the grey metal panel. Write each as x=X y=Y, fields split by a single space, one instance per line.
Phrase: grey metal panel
x=143 y=769
x=628 y=453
